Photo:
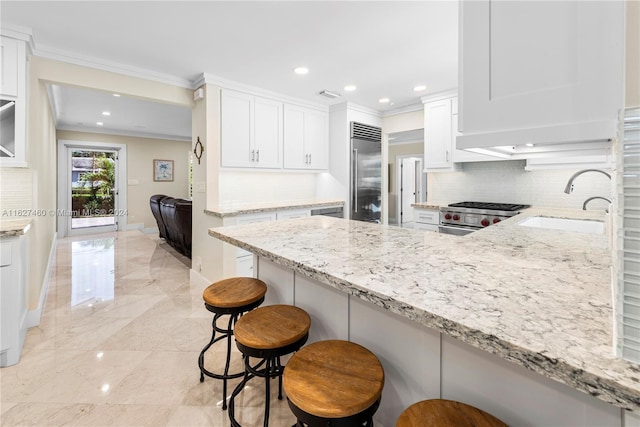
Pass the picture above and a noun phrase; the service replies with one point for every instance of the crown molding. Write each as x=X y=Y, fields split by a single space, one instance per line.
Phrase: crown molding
x=211 y=79
x=355 y=107
x=410 y=108
x=48 y=52
x=20 y=33
x=134 y=134
x=436 y=96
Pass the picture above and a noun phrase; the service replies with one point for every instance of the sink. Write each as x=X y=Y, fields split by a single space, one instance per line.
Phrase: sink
x=564 y=224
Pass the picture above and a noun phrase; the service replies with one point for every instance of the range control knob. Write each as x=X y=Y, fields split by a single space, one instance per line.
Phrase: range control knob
x=456 y=217
x=447 y=216
x=496 y=220
x=484 y=222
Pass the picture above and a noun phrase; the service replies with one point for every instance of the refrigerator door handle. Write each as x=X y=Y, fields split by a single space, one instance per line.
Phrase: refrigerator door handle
x=355 y=180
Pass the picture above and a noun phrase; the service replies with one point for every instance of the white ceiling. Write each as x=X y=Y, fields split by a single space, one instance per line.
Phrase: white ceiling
x=81 y=109
x=385 y=48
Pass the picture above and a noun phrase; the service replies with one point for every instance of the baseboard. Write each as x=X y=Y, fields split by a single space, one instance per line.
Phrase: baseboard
x=196 y=278
x=135 y=226
x=150 y=230
x=33 y=316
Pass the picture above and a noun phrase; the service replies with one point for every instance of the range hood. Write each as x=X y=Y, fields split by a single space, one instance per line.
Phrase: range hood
x=567 y=140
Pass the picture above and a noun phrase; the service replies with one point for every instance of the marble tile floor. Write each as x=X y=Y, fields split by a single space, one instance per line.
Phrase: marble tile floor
x=118 y=345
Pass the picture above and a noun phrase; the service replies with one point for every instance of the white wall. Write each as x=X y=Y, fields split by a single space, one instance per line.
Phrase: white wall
x=508 y=182
x=258 y=186
x=140 y=155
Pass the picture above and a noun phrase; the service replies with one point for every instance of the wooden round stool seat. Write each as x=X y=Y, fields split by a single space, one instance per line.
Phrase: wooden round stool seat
x=333 y=382
x=268 y=333
x=446 y=413
x=272 y=327
x=234 y=292
x=232 y=297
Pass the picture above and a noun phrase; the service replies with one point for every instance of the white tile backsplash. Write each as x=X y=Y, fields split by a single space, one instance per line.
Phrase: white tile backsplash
x=252 y=186
x=508 y=182
x=16 y=189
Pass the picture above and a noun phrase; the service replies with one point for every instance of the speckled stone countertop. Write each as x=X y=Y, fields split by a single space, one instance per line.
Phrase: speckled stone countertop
x=14 y=227
x=234 y=209
x=536 y=297
x=425 y=205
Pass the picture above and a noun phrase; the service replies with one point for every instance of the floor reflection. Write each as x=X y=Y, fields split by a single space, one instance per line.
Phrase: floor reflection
x=92 y=271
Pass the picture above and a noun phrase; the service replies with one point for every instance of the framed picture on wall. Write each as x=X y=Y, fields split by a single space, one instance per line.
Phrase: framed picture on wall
x=162 y=170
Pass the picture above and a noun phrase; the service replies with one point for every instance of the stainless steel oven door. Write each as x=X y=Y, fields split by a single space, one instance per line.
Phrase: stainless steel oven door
x=457 y=231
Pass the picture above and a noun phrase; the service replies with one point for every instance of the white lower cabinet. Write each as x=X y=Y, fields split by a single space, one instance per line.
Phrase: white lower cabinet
x=293 y=213
x=426 y=219
x=244 y=259
x=244 y=266
x=514 y=394
x=13 y=306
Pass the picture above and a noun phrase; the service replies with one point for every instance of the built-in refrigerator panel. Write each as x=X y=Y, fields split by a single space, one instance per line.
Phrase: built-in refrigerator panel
x=366 y=173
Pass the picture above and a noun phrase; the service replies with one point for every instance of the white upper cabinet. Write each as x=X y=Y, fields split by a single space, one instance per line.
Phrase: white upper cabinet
x=13 y=98
x=9 y=66
x=305 y=138
x=251 y=131
x=438 y=142
x=237 y=135
x=268 y=133
x=540 y=72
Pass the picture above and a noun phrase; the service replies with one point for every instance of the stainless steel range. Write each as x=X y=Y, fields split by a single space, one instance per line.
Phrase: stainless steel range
x=467 y=217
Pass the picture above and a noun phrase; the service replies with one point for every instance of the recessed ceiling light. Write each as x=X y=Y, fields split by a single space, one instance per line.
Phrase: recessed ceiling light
x=99 y=123
x=350 y=88
x=117 y=95
x=106 y=113
x=383 y=100
x=529 y=144
x=301 y=70
x=419 y=88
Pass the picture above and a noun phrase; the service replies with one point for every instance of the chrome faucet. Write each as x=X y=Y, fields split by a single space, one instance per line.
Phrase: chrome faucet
x=569 y=188
x=584 y=205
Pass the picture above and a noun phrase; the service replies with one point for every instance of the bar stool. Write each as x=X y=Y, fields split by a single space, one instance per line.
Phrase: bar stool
x=233 y=297
x=268 y=333
x=446 y=413
x=334 y=383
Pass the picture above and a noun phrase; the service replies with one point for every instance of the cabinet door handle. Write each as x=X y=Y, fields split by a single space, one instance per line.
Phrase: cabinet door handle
x=447 y=152
x=257 y=155
x=253 y=152
x=309 y=158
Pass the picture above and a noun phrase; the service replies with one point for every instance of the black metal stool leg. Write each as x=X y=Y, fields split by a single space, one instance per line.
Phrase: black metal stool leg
x=279 y=368
x=206 y=347
x=235 y=393
x=267 y=387
x=232 y=320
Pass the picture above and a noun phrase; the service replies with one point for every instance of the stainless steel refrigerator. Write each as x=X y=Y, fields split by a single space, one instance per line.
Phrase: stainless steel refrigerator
x=366 y=172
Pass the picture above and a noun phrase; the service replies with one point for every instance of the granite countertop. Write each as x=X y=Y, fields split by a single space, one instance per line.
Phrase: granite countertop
x=536 y=297
x=425 y=205
x=14 y=227
x=242 y=208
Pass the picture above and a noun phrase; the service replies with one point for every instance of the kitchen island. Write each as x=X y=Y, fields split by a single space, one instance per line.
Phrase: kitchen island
x=515 y=320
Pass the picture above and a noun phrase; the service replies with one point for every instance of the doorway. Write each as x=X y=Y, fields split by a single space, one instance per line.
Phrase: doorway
x=89 y=181
x=410 y=187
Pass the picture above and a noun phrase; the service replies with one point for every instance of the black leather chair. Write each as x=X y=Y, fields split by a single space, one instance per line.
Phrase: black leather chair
x=176 y=214
x=154 y=201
